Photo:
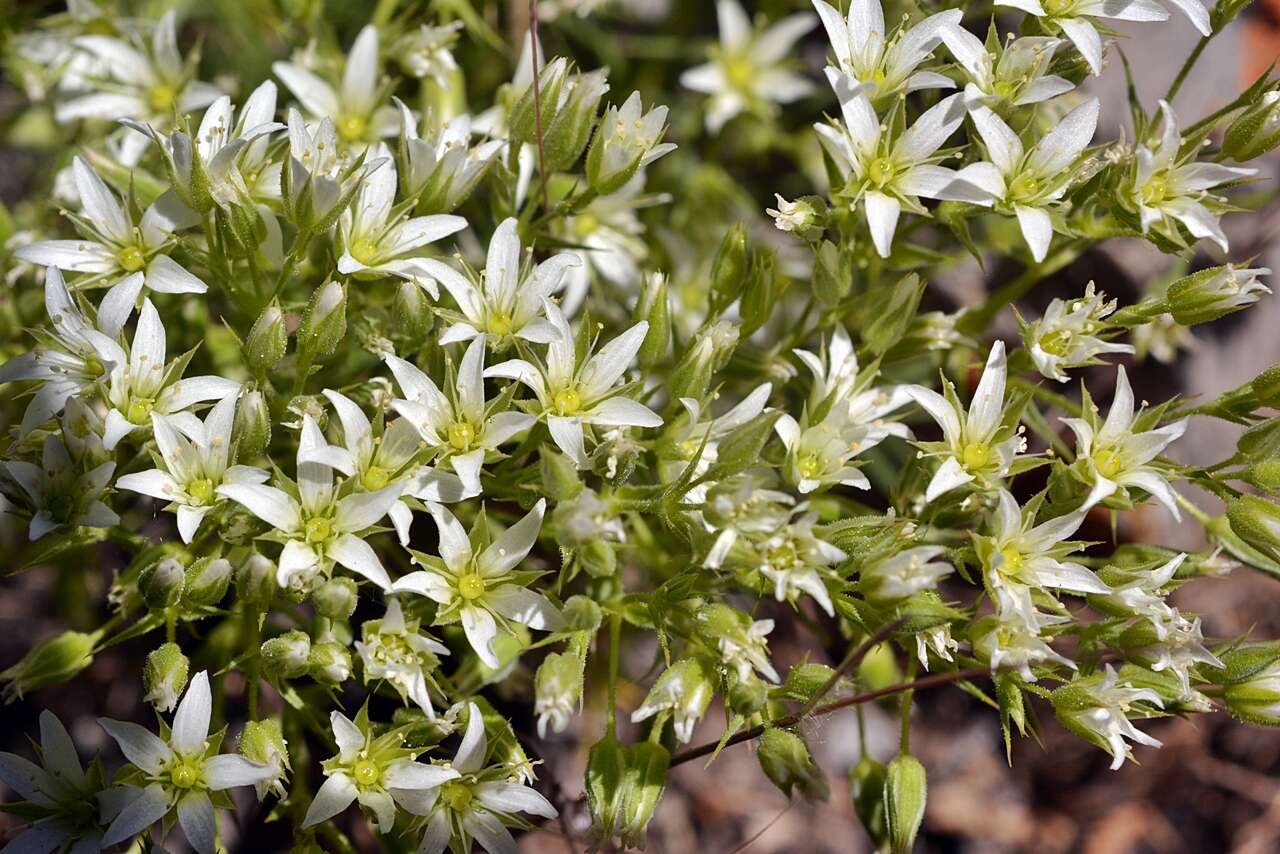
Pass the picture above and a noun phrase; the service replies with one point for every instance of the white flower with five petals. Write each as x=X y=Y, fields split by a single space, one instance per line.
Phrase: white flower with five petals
x=885 y=65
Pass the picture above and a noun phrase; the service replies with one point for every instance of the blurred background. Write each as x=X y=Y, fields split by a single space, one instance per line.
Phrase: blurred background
x=1214 y=787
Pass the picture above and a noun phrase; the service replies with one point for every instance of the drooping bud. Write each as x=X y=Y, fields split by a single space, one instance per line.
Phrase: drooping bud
x=729 y=270
x=647 y=767
x=905 y=793
x=265 y=346
x=206 y=582
x=325 y=322
x=866 y=780
x=165 y=676
x=288 y=655
x=161 y=583
x=557 y=691
x=263 y=742
x=1256 y=131
x=785 y=758
x=605 y=784
x=1215 y=292
x=412 y=311
x=336 y=598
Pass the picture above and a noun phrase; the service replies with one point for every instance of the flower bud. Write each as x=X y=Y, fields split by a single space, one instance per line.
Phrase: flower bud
x=647 y=767
x=654 y=307
x=626 y=139
x=832 y=278
x=567 y=134
x=747 y=696
x=1215 y=292
x=288 y=655
x=729 y=270
x=52 y=661
x=583 y=614
x=336 y=598
x=412 y=311
x=165 y=676
x=330 y=662
x=599 y=559
x=263 y=742
x=905 y=793
x=207 y=580
x=559 y=475
x=759 y=293
x=1265 y=387
x=785 y=758
x=161 y=584
x=709 y=352
x=606 y=780
x=325 y=321
x=523 y=123
x=252 y=427
x=265 y=346
x=1256 y=131
x=1251 y=680
x=866 y=780
x=557 y=691
x=1256 y=521
x=805 y=217
x=256 y=580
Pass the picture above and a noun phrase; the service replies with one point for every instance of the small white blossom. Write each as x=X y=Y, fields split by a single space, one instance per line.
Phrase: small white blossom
x=1065 y=335
x=61 y=492
x=683 y=691
x=905 y=573
x=1101 y=708
x=885 y=65
x=1016 y=78
x=395 y=650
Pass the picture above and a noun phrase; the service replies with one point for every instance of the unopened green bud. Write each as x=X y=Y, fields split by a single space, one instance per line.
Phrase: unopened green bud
x=729 y=270
x=1251 y=680
x=523 y=122
x=265 y=346
x=1265 y=476
x=905 y=793
x=252 y=428
x=1261 y=441
x=599 y=559
x=412 y=311
x=48 y=663
x=1213 y=293
x=759 y=293
x=583 y=614
x=1256 y=131
x=804 y=681
x=165 y=676
x=647 y=767
x=325 y=322
x=263 y=742
x=866 y=780
x=709 y=352
x=207 y=580
x=746 y=697
x=1265 y=387
x=559 y=475
x=785 y=758
x=161 y=584
x=256 y=580
x=1256 y=521
x=288 y=655
x=654 y=307
x=832 y=279
x=330 y=662
x=567 y=135
x=336 y=598
x=606 y=782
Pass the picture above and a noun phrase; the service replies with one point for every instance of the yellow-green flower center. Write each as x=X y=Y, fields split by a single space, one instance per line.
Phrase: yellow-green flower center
x=366 y=773
x=880 y=171
x=461 y=435
x=364 y=251
x=374 y=478
x=975 y=456
x=201 y=491
x=1024 y=187
x=809 y=466
x=131 y=259
x=1108 y=462
x=1056 y=342
x=93 y=367
x=1155 y=190
x=1012 y=560
x=139 y=410
x=1005 y=89
x=318 y=530
x=585 y=225
x=352 y=128
x=567 y=401
x=457 y=796
x=499 y=324
x=162 y=97
x=471 y=586
x=187 y=773
x=739 y=71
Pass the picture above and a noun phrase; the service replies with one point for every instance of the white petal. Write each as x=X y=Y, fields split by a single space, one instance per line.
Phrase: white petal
x=513 y=544
x=1086 y=39
x=356 y=555
x=139 y=745
x=100 y=205
x=316 y=95
x=195 y=814
x=227 y=770
x=567 y=434
x=273 y=506
x=513 y=798
x=146 y=809
x=479 y=627
x=882 y=219
x=623 y=412
x=191 y=721
x=470 y=755
x=526 y=607
x=948 y=476
x=117 y=305
x=987 y=406
x=362 y=509
x=360 y=78
x=405 y=774
x=165 y=276
x=1037 y=229
x=346 y=734
x=1060 y=147
x=334 y=796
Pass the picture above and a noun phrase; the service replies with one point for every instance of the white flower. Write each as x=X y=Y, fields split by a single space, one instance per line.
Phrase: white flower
x=1100 y=710
x=378 y=240
x=147 y=83
x=1020 y=556
x=425 y=52
x=742 y=508
x=1164 y=186
x=1118 y=456
x=791 y=216
x=1030 y=183
x=318 y=180
x=145 y=385
x=318 y=528
x=937 y=640
x=1075 y=19
x=887 y=172
x=748 y=70
x=355 y=107
x=1178 y=646
x=197 y=458
x=887 y=66
x=181 y=773
x=1144 y=597
x=1012 y=640
x=481 y=590
x=481 y=803
x=393 y=649
x=626 y=140
x=114 y=248
x=740 y=640
x=441 y=168
x=975 y=445
x=792 y=561
x=572 y=396
x=905 y=573
x=72 y=355
x=507 y=303
x=683 y=691
x=1064 y=337
x=835 y=369
x=462 y=427
x=610 y=240
x=378 y=772
x=1016 y=79
x=685 y=438
x=61 y=492
x=62 y=797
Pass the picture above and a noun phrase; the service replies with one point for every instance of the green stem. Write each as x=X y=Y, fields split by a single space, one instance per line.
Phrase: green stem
x=904 y=739
x=615 y=642
x=977 y=319
x=1186 y=66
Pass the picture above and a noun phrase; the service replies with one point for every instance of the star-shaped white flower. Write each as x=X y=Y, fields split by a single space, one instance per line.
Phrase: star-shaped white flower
x=393 y=649
x=885 y=65
x=61 y=492
x=1014 y=78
